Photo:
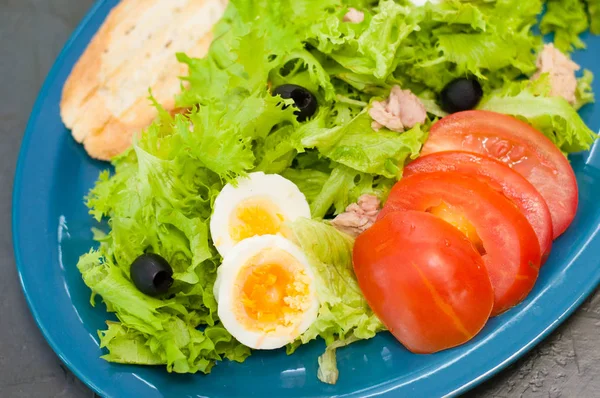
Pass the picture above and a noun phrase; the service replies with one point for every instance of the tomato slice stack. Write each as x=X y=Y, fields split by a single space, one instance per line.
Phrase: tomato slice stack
x=479 y=208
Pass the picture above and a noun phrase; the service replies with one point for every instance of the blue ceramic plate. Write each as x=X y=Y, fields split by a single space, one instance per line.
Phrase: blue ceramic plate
x=51 y=229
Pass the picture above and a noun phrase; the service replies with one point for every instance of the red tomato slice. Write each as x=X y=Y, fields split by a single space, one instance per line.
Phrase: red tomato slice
x=511 y=252
x=521 y=147
x=499 y=177
x=424 y=280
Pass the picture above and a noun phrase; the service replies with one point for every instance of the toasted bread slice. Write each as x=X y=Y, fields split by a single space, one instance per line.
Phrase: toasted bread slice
x=105 y=99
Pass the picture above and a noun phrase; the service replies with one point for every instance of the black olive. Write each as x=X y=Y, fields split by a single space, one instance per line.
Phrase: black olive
x=304 y=100
x=461 y=94
x=151 y=274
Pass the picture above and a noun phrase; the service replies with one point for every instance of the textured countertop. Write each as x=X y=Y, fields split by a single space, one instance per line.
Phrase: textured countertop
x=32 y=32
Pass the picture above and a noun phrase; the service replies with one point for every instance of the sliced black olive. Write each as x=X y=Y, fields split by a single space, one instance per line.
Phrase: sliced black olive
x=151 y=274
x=460 y=95
x=304 y=100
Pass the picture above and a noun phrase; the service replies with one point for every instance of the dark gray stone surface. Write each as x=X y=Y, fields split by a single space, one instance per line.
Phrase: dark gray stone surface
x=32 y=32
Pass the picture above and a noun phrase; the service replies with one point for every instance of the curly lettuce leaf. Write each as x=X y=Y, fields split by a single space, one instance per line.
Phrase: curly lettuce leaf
x=335 y=191
x=368 y=48
x=374 y=152
x=430 y=45
x=310 y=182
x=240 y=58
x=554 y=116
x=356 y=145
x=328 y=371
x=224 y=137
x=488 y=39
x=380 y=41
x=212 y=73
x=153 y=331
x=257 y=39
x=473 y=53
x=301 y=67
x=330 y=187
x=593 y=8
x=344 y=315
x=567 y=19
x=362 y=160
x=277 y=151
x=159 y=200
x=210 y=137
x=584 y=94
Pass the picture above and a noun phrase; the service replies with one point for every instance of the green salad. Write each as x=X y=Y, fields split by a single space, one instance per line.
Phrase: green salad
x=161 y=195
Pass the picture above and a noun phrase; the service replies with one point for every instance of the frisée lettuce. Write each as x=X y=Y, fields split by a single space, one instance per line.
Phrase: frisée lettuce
x=567 y=19
x=159 y=199
x=344 y=316
x=553 y=116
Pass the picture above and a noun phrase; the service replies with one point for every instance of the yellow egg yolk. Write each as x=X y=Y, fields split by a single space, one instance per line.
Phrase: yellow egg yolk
x=255 y=216
x=457 y=218
x=274 y=291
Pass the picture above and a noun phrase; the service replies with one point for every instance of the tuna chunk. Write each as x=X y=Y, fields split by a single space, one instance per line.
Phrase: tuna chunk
x=402 y=110
x=359 y=216
x=354 y=16
x=561 y=70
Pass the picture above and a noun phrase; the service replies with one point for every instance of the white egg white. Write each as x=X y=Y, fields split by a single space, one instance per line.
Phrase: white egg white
x=273 y=188
x=227 y=283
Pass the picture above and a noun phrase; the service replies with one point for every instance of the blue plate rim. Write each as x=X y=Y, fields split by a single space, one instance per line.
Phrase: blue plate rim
x=381 y=389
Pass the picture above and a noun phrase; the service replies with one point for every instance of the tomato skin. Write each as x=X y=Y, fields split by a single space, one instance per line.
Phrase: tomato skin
x=521 y=147
x=512 y=255
x=499 y=177
x=424 y=280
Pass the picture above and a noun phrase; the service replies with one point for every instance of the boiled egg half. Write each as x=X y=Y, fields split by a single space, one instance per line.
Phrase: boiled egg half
x=259 y=204
x=266 y=292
